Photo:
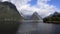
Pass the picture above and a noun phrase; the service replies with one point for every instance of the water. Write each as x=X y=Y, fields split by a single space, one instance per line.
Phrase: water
x=38 y=28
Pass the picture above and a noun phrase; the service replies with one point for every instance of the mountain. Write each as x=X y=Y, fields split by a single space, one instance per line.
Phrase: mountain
x=27 y=17
x=35 y=16
x=9 y=11
x=54 y=18
x=9 y=18
x=56 y=14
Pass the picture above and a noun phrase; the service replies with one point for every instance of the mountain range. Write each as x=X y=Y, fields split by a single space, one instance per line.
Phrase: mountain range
x=53 y=18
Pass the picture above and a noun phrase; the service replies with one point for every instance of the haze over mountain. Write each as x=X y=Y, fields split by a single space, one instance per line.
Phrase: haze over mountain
x=35 y=16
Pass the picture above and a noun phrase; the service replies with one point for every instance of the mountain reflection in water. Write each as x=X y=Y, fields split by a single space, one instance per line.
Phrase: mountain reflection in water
x=38 y=28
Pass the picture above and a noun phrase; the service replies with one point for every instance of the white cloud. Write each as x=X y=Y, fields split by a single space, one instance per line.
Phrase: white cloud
x=39 y=2
x=41 y=7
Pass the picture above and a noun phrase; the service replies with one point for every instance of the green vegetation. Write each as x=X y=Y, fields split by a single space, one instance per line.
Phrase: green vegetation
x=9 y=18
x=7 y=13
x=55 y=18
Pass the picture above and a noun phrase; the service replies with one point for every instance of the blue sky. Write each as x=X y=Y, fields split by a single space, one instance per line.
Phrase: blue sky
x=52 y=2
x=55 y=2
x=33 y=2
x=42 y=7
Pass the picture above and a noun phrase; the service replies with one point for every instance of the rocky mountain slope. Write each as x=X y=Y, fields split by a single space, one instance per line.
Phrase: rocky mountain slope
x=35 y=16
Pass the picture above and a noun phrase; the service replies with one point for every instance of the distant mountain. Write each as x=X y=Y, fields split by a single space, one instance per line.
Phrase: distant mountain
x=27 y=17
x=56 y=14
x=54 y=18
x=9 y=11
x=35 y=16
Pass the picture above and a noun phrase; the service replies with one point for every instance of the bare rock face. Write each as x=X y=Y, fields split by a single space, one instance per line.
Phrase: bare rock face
x=9 y=18
x=36 y=17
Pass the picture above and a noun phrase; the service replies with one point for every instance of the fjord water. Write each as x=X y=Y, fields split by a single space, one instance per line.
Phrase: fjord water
x=38 y=28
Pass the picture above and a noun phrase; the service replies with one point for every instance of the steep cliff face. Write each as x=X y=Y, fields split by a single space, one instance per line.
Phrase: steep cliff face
x=35 y=16
x=8 y=11
x=9 y=17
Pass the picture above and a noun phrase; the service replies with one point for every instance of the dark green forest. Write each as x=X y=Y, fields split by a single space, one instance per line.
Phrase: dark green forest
x=8 y=12
x=9 y=18
x=53 y=18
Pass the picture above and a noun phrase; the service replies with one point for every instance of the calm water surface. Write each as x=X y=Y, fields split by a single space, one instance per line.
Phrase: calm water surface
x=38 y=28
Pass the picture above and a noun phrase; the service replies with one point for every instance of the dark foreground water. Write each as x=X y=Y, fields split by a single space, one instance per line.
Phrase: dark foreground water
x=38 y=28
x=29 y=27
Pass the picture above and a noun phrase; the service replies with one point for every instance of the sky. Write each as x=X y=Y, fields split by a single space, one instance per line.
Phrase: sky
x=42 y=7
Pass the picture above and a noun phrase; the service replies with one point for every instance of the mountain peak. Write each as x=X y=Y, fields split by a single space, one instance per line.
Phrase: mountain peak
x=35 y=16
x=11 y=5
x=55 y=12
x=9 y=11
x=35 y=13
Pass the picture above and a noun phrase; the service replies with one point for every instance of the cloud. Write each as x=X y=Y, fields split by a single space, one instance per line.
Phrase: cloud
x=42 y=8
